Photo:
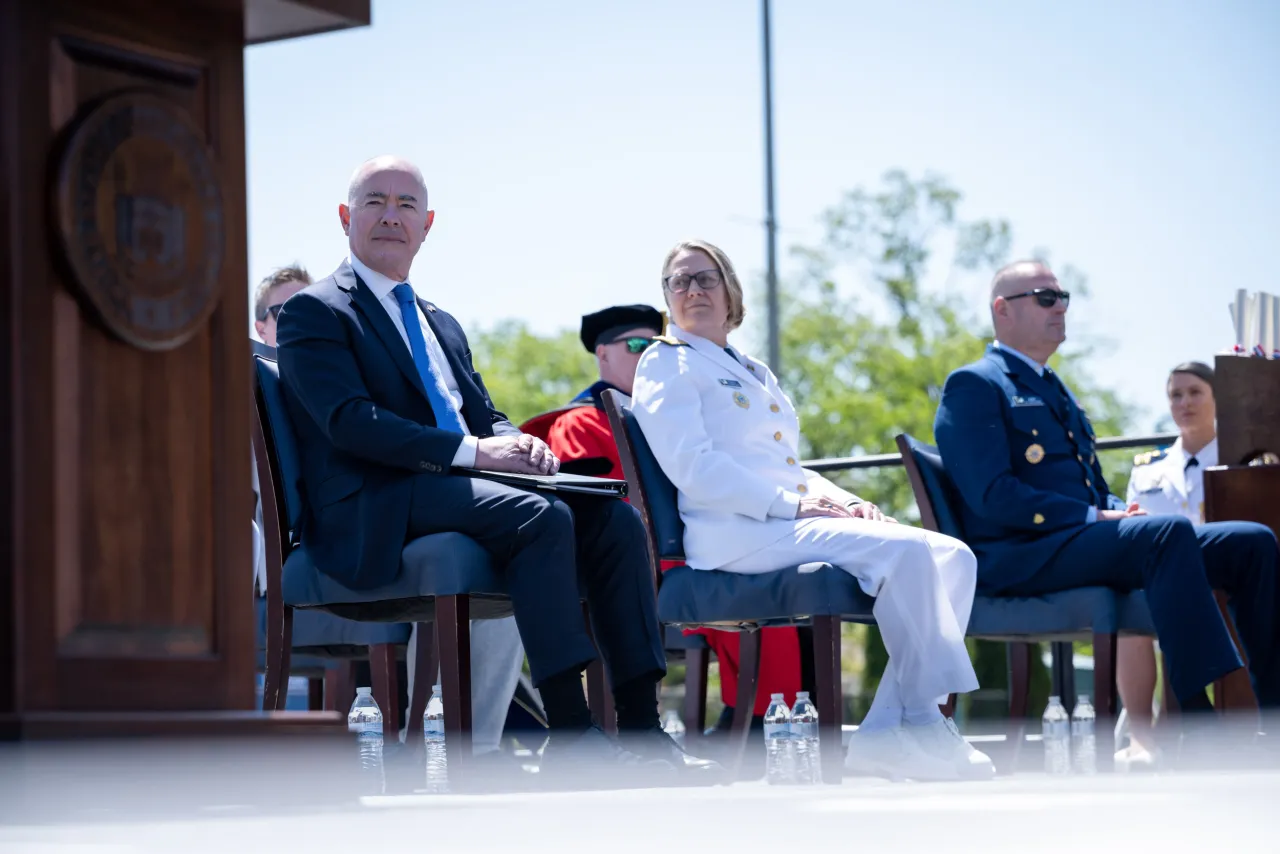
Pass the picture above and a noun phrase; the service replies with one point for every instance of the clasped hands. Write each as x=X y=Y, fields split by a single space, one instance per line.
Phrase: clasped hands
x=523 y=454
x=820 y=505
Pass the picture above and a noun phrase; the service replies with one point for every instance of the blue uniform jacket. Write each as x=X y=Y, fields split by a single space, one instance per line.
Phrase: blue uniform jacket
x=1022 y=456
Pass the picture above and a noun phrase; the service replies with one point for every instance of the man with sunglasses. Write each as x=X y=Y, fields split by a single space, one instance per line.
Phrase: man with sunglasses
x=1039 y=516
x=579 y=433
x=270 y=297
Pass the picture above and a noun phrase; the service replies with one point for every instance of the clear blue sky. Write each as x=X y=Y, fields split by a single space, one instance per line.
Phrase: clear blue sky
x=567 y=145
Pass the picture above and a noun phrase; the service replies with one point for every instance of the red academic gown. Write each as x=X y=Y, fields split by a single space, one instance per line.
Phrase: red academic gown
x=580 y=435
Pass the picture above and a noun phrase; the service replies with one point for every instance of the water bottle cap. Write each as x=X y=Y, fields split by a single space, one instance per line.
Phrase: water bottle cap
x=802 y=695
x=778 y=697
x=365 y=692
x=1083 y=698
x=1054 y=698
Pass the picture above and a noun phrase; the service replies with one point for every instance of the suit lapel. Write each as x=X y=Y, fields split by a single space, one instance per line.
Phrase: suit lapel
x=367 y=304
x=1026 y=375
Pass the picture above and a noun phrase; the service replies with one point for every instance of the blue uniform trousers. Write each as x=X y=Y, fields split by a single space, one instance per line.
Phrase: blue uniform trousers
x=1178 y=565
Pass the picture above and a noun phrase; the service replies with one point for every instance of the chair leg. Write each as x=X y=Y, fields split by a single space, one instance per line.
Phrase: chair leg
x=599 y=697
x=315 y=694
x=1233 y=692
x=830 y=699
x=1104 y=699
x=453 y=642
x=1064 y=673
x=748 y=682
x=1019 y=679
x=275 y=687
x=426 y=666
x=1169 y=700
x=694 y=714
x=340 y=687
x=386 y=687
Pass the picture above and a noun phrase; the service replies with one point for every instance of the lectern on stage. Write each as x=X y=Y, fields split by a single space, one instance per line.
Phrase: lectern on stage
x=125 y=496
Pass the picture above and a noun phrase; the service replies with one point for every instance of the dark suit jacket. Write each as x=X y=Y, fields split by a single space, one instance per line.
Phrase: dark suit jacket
x=1025 y=466
x=364 y=425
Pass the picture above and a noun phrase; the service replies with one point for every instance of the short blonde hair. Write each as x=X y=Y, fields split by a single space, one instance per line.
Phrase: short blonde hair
x=282 y=276
x=732 y=287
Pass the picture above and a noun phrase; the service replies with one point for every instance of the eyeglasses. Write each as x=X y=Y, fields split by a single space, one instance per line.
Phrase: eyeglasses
x=1045 y=297
x=274 y=310
x=635 y=343
x=706 y=279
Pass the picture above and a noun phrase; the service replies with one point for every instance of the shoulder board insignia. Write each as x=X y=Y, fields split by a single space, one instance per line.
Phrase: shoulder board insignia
x=1149 y=457
x=671 y=340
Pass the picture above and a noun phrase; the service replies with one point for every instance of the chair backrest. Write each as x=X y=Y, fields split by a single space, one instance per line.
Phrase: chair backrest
x=648 y=487
x=936 y=494
x=279 y=464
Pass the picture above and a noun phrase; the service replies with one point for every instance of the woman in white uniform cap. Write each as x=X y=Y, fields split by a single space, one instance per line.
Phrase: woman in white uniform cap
x=728 y=438
x=1166 y=482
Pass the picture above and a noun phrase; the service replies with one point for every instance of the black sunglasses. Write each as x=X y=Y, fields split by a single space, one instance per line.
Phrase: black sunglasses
x=635 y=343
x=1045 y=297
x=274 y=310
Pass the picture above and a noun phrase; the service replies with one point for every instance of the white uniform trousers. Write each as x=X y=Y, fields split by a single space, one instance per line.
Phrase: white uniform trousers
x=923 y=583
x=496 y=658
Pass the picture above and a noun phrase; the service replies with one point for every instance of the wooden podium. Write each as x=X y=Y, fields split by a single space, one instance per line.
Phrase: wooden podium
x=1244 y=487
x=125 y=494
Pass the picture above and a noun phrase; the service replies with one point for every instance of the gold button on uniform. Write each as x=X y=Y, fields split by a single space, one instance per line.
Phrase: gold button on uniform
x=773 y=407
x=791 y=461
x=1070 y=435
x=1088 y=482
x=1035 y=432
x=777 y=437
x=802 y=489
x=1038 y=519
x=1080 y=458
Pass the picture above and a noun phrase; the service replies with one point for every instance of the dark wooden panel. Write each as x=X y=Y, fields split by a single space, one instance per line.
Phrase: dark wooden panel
x=1243 y=493
x=1247 y=392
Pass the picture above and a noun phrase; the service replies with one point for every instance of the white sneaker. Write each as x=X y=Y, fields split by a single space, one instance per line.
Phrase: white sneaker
x=943 y=741
x=1137 y=758
x=889 y=753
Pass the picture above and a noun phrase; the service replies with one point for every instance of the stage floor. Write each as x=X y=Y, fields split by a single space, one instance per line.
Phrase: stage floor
x=1025 y=813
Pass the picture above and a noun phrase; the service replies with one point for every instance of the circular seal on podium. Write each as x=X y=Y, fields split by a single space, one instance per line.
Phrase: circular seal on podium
x=141 y=219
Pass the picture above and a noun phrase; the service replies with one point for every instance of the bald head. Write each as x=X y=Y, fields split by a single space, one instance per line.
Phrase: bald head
x=386 y=217
x=1020 y=277
x=383 y=163
x=1019 y=313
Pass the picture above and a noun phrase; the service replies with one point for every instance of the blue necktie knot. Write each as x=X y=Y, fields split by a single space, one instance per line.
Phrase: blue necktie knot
x=404 y=293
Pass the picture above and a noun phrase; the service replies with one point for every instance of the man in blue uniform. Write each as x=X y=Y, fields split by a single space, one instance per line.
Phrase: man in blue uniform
x=1040 y=518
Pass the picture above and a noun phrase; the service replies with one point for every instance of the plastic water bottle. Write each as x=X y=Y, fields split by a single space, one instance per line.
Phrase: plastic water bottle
x=365 y=720
x=673 y=726
x=1084 y=744
x=804 y=740
x=1055 y=733
x=433 y=735
x=779 y=766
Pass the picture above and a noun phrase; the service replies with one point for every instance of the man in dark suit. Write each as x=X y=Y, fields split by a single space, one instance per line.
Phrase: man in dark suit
x=1039 y=516
x=387 y=402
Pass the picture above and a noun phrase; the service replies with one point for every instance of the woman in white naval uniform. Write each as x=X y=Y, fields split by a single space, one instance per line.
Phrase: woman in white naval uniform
x=728 y=438
x=1167 y=482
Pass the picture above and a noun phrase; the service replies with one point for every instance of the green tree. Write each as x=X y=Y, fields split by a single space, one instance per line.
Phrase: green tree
x=527 y=373
x=866 y=345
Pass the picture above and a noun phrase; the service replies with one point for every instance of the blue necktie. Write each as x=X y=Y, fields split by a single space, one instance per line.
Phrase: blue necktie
x=447 y=418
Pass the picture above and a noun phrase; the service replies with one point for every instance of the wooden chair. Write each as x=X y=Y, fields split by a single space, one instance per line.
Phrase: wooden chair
x=818 y=594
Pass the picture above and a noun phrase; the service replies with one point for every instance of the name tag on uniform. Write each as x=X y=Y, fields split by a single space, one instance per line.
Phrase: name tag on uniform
x=731 y=383
x=1019 y=400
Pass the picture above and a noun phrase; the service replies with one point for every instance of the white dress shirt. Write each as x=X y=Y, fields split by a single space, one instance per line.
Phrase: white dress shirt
x=382 y=289
x=1164 y=485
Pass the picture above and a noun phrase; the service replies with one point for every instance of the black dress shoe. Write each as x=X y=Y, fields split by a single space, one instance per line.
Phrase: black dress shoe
x=654 y=743
x=593 y=760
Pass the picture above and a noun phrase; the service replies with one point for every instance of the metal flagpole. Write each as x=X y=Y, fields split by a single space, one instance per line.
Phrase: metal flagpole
x=770 y=223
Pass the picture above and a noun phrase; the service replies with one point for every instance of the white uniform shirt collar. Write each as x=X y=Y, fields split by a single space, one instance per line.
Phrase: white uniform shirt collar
x=1207 y=456
x=1035 y=366
x=378 y=283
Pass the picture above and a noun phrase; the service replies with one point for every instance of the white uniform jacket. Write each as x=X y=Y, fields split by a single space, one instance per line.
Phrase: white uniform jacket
x=1162 y=484
x=728 y=438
